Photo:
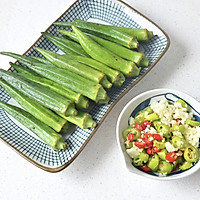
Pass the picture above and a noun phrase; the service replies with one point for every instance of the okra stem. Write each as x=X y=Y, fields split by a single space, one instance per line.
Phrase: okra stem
x=71 y=111
x=140 y=34
x=44 y=132
x=144 y=62
x=104 y=101
x=83 y=120
x=65 y=129
x=103 y=55
x=150 y=34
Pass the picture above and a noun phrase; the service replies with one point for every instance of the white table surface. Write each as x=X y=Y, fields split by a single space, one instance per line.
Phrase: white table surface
x=98 y=172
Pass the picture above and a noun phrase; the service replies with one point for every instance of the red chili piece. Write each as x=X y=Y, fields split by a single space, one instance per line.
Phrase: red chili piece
x=140 y=145
x=149 y=143
x=172 y=156
x=142 y=136
x=145 y=168
x=146 y=123
x=157 y=136
x=149 y=151
x=145 y=136
x=156 y=150
x=139 y=127
x=130 y=137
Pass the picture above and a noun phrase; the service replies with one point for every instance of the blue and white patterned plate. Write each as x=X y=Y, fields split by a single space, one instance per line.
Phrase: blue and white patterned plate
x=105 y=11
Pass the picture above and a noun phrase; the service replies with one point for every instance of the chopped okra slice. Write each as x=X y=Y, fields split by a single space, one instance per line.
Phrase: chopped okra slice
x=165 y=167
x=153 y=162
x=191 y=154
x=186 y=165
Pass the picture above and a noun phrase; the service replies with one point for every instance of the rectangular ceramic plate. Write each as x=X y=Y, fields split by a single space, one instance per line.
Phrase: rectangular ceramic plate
x=105 y=11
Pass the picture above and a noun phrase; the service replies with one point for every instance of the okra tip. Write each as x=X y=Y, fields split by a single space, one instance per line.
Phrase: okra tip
x=13 y=65
x=119 y=80
x=45 y=34
x=105 y=83
x=90 y=123
x=83 y=102
x=75 y=29
x=144 y=62
x=150 y=34
x=5 y=53
x=71 y=110
x=134 y=44
x=60 y=145
x=40 y=50
x=58 y=23
x=104 y=101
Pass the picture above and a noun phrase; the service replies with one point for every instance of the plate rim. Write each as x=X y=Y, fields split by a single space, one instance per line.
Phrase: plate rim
x=60 y=168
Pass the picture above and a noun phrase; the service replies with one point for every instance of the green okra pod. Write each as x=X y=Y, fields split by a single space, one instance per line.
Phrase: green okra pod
x=83 y=120
x=19 y=57
x=65 y=129
x=22 y=59
x=141 y=34
x=105 y=32
x=71 y=80
x=42 y=60
x=63 y=63
x=44 y=132
x=77 y=98
x=39 y=93
x=103 y=55
x=36 y=109
x=114 y=76
x=150 y=34
x=144 y=62
x=65 y=45
x=76 y=67
x=117 y=49
x=70 y=34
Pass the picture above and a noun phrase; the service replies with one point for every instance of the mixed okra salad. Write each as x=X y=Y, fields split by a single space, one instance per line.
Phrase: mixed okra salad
x=163 y=138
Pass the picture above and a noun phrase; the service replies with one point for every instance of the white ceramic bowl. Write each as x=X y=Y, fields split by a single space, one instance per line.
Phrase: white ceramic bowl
x=140 y=102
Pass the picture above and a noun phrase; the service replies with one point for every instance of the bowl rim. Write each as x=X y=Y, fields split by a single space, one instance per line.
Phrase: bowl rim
x=127 y=164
